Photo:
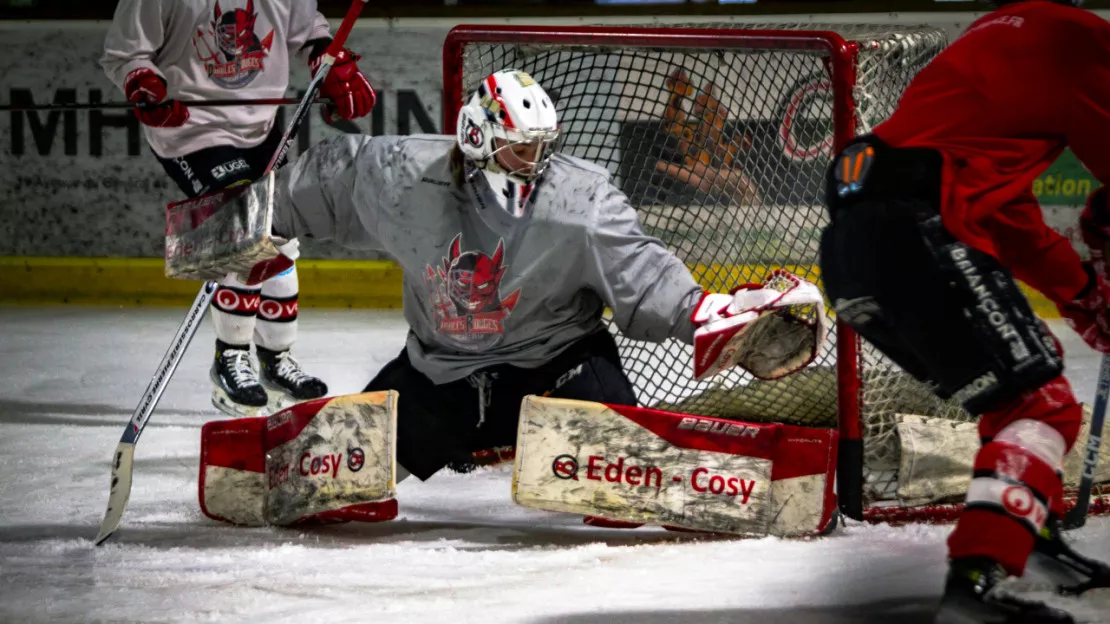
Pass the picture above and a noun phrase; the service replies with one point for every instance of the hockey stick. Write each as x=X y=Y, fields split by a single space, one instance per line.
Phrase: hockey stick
x=144 y=105
x=1077 y=516
x=123 y=465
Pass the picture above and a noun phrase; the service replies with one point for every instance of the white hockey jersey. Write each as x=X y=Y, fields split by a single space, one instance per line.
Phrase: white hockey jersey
x=212 y=49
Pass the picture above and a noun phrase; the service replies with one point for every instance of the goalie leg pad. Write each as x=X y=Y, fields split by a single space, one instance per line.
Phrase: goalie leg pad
x=950 y=315
x=326 y=460
x=630 y=465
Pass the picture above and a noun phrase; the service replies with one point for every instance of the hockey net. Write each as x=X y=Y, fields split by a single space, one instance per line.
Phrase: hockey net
x=720 y=135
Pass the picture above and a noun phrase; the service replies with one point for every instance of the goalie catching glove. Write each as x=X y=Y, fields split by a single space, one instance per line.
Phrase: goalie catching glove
x=770 y=330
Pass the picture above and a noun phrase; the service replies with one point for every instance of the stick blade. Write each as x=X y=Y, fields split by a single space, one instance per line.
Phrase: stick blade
x=122 y=468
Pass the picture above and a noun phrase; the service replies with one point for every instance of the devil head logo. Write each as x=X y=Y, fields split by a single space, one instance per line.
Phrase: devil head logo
x=235 y=30
x=473 y=277
x=228 y=46
x=464 y=291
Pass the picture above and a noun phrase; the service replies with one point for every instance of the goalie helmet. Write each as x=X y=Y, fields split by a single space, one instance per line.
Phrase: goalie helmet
x=507 y=131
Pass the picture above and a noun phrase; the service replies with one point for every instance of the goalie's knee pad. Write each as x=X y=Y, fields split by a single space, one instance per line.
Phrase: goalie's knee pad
x=1016 y=483
x=949 y=314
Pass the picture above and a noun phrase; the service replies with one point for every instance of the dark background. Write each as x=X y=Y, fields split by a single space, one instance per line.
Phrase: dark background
x=85 y=9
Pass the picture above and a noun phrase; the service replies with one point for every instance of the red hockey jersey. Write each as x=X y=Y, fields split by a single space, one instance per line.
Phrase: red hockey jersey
x=1001 y=103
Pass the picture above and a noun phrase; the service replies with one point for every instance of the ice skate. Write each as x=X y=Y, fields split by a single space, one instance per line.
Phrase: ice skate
x=236 y=390
x=287 y=382
x=971 y=597
x=1077 y=573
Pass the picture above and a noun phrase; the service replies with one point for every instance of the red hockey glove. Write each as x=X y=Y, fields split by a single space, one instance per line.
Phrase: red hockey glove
x=349 y=91
x=1094 y=226
x=143 y=86
x=1087 y=314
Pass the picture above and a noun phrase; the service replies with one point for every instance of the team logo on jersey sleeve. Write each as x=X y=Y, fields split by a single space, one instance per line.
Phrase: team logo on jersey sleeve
x=229 y=48
x=465 y=294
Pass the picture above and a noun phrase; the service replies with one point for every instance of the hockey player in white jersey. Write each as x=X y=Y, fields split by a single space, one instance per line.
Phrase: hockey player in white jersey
x=511 y=253
x=167 y=52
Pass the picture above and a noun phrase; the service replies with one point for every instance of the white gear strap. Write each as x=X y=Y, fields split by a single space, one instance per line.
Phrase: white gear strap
x=770 y=330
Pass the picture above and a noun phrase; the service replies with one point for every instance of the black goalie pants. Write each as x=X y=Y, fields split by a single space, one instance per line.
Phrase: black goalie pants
x=445 y=424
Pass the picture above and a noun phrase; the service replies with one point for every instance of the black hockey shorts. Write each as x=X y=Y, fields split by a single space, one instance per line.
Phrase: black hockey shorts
x=444 y=424
x=948 y=314
x=221 y=166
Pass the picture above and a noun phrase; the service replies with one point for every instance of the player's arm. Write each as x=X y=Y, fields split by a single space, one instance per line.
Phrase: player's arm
x=137 y=33
x=1086 y=121
x=653 y=296
x=649 y=290
x=336 y=190
x=345 y=85
x=309 y=34
x=1087 y=114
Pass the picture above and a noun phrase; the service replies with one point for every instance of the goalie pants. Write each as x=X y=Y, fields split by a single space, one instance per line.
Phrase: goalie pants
x=953 y=317
x=240 y=312
x=446 y=424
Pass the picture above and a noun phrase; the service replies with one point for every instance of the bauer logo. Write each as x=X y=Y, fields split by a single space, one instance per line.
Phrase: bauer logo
x=718 y=427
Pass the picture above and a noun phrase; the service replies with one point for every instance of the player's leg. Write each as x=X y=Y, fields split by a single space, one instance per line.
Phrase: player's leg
x=436 y=424
x=236 y=390
x=274 y=334
x=955 y=318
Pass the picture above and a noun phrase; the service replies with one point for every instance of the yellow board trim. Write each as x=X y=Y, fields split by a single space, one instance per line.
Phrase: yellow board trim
x=324 y=283
x=142 y=281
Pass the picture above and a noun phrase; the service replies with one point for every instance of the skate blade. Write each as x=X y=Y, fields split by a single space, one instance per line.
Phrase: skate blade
x=222 y=402
x=278 y=400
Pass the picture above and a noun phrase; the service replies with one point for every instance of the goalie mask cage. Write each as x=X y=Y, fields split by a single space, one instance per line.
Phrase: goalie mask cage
x=720 y=136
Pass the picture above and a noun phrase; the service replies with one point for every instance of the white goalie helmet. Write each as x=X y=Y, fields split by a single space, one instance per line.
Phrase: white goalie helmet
x=508 y=130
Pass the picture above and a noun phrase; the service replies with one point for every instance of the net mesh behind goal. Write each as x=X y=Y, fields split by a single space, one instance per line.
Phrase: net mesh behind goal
x=720 y=136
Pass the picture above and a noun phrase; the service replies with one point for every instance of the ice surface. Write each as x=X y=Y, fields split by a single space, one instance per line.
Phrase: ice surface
x=460 y=551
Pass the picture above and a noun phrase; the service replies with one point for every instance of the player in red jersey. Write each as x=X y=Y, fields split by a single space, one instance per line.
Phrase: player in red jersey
x=933 y=217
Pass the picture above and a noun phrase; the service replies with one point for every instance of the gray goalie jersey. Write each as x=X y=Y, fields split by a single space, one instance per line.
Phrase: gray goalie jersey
x=481 y=287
